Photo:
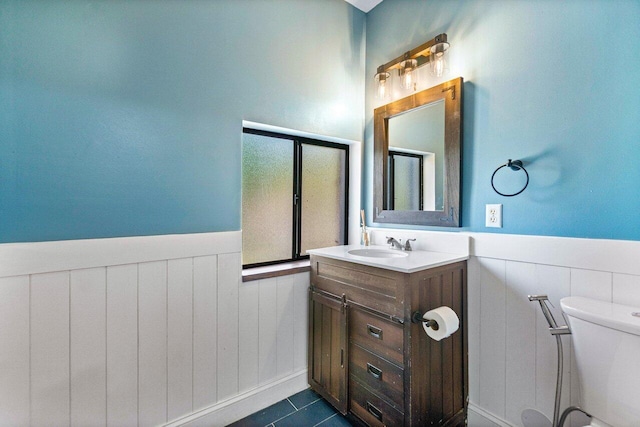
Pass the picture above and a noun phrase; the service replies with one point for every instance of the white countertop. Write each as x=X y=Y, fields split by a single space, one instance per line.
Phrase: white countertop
x=414 y=261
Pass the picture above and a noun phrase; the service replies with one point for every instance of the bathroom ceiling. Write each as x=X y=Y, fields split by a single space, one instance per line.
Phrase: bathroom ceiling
x=364 y=5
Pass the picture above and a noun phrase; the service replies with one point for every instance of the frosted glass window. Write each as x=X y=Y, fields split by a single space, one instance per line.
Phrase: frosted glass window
x=294 y=196
x=267 y=197
x=323 y=196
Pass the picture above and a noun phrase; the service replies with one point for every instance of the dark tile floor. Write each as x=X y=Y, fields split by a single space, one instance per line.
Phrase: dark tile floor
x=302 y=409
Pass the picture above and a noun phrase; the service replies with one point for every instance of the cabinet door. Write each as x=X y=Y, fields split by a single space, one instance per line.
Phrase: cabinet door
x=328 y=348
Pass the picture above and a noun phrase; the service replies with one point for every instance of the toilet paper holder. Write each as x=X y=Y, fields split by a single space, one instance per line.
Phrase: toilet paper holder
x=416 y=317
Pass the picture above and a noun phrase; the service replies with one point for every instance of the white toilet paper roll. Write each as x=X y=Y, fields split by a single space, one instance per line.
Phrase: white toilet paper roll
x=447 y=320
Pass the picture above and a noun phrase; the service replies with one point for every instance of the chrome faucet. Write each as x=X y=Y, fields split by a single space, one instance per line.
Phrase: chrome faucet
x=398 y=244
x=394 y=243
x=407 y=244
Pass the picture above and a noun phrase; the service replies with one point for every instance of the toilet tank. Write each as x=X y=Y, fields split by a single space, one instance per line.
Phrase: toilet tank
x=606 y=342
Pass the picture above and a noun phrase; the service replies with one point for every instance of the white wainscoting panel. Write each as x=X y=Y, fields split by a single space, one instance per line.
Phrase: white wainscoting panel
x=122 y=345
x=152 y=343
x=626 y=289
x=249 y=357
x=229 y=272
x=205 y=324
x=513 y=357
x=492 y=335
x=520 y=333
x=144 y=331
x=88 y=346
x=50 y=373
x=14 y=350
x=268 y=324
x=284 y=322
x=300 y=320
x=270 y=336
x=179 y=337
x=592 y=284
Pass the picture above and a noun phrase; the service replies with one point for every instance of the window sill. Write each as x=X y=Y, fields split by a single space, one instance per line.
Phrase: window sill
x=258 y=273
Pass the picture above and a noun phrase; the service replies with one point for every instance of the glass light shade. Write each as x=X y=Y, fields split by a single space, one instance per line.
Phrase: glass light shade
x=408 y=73
x=382 y=85
x=438 y=59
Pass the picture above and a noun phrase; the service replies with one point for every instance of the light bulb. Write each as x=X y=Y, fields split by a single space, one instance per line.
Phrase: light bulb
x=381 y=85
x=382 y=90
x=407 y=79
x=440 y=64
x=438 y=59
x=408 y=75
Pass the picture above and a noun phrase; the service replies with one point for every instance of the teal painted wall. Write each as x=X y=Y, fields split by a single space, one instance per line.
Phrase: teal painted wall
x=122 y=118
x=554 y=83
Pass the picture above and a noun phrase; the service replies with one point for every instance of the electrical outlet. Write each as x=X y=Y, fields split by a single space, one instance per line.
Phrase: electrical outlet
x=493 y=216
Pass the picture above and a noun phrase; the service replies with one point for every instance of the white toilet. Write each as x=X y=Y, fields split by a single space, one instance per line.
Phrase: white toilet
x=606 y=340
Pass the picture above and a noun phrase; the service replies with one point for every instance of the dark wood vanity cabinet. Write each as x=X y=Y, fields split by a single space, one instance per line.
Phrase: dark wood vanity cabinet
x=368 y=359
x=328 y=348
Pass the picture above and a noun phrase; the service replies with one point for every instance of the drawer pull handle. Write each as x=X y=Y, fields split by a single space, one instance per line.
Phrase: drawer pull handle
x=374 y=372
x=374 y=332
x=374 y=411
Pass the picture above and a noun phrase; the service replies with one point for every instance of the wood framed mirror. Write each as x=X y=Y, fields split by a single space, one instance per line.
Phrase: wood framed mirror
x=416 y=158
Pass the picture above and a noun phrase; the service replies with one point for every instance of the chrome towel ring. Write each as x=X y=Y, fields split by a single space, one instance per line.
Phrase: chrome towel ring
x=514 y=165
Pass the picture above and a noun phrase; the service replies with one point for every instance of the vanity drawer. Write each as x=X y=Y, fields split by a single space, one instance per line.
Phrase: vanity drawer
x=384 y=378
x=377 y=288
x=372 y=409
x=377 y=334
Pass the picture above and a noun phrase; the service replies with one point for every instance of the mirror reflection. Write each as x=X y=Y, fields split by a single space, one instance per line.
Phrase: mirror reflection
x=416 y=159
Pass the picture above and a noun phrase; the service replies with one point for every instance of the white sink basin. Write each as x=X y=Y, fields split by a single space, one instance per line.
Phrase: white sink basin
x=378 y=253
x=391 y=259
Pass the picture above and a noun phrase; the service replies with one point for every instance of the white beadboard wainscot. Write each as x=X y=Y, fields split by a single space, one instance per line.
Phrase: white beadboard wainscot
x=161 y=330
x=137 y=331
x=512 y=355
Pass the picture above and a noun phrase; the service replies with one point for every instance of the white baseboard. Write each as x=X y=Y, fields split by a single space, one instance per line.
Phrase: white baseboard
x=238 y=407
x=489 y=418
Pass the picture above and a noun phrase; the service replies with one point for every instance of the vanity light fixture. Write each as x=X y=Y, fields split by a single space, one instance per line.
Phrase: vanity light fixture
x=432 y=52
